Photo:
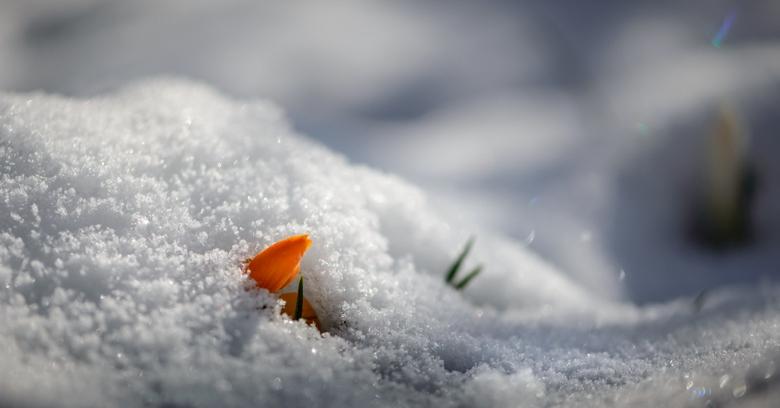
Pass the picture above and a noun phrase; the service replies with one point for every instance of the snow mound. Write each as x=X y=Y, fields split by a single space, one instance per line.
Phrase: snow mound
x=125 y=220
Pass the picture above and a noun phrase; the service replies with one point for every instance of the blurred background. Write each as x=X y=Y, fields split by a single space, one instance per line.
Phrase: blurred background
x=631 y=144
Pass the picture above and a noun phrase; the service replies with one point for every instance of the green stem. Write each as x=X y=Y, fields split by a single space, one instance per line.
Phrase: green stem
x=299 y=301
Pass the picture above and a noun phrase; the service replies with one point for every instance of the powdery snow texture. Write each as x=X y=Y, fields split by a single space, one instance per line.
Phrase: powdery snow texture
x=124 y=222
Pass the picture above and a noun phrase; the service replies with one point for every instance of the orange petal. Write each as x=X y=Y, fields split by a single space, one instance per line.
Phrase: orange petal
x=276 y=266
x=308 y=314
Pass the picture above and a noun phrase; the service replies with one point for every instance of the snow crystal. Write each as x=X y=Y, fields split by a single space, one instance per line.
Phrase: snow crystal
x=125 y=221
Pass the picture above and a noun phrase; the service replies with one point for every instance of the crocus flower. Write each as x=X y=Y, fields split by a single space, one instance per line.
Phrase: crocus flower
x=276 y=266
x=307 y=314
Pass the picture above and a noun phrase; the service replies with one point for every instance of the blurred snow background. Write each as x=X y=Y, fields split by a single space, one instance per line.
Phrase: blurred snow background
x=577 y=129
x=569 y=126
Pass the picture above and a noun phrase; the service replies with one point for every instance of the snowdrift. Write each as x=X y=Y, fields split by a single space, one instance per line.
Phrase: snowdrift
x=125 y=219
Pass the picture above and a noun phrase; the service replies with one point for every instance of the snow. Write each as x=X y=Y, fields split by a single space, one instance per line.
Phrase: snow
x=576 y=130
x=127 y=215
x=554 y=115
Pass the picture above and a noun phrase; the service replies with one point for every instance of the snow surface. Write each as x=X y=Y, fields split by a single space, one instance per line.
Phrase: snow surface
x=125 y=219
x=567 y=125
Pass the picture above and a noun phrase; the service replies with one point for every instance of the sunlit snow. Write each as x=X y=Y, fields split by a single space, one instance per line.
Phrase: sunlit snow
x=125 y=221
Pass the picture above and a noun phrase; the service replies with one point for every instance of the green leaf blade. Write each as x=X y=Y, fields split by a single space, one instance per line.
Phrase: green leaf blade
x=299 y=301
x=453 y=271
x=473 y=274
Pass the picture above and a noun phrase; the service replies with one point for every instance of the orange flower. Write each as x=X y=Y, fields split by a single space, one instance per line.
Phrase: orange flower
x=307 y=314
x=276 y=266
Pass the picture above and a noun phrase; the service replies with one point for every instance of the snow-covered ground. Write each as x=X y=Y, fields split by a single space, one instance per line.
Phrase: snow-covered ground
x=570 y=139
x=128 y=216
